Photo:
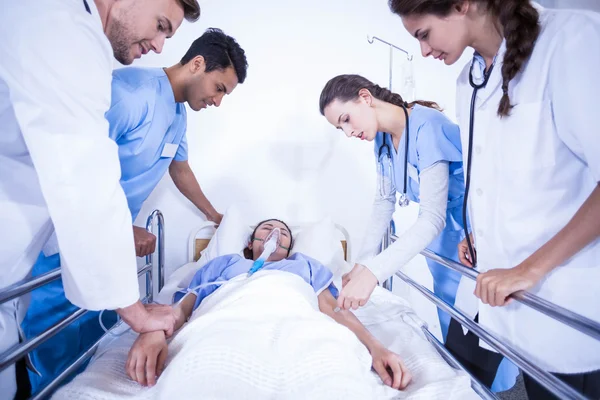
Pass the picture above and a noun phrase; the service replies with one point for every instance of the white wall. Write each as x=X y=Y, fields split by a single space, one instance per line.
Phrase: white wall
x=267 y=147
x=573 y=4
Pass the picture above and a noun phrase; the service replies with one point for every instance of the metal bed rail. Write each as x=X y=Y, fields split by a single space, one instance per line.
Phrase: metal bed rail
x=563 y=315
x=478 y=387
x=386 y=241
x=47 y=390
x=25 y=286
x=568 y=317
x=156 y=216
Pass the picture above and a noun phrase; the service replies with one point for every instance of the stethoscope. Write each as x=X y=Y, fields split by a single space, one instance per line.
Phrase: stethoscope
x=385 y=150
x=486 y=77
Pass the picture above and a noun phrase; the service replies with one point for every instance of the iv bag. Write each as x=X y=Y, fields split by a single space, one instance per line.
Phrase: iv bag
x=408 y=91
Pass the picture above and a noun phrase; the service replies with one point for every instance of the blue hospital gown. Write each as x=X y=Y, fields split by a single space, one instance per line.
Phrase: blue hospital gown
x=224 y=268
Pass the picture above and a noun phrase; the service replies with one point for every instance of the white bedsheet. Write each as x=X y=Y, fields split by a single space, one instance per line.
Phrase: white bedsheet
x=265 y=339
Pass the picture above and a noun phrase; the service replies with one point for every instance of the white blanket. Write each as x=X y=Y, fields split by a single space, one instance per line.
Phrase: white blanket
x=264 y=338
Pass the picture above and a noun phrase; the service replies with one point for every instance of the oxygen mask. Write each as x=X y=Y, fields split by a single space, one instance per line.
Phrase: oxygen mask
x=271 y=244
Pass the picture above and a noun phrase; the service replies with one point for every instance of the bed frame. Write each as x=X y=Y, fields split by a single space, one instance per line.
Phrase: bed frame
x=25 y=286
x=562 y=390
x=549 y=381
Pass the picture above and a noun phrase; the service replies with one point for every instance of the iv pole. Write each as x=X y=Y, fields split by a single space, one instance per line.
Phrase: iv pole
x=386 y=240
x=409 y=57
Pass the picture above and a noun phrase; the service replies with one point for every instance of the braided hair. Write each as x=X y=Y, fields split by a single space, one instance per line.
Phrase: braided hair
x=518 y=18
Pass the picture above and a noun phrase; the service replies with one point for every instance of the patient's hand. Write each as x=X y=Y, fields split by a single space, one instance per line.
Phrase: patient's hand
x=383 y=359
x=146 y=359
x=390 y=368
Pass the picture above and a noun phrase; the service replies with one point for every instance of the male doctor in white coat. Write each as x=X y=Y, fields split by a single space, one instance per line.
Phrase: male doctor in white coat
x=59 y=170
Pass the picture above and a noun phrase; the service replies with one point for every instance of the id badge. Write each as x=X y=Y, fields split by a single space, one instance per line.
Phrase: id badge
x=169 y=150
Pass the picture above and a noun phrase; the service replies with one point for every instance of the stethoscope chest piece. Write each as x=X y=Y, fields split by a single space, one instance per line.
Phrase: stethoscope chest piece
x=403 y=200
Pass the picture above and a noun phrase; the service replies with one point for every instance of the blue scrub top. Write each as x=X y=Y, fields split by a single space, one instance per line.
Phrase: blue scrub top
x=149 y=128
x=432 y=138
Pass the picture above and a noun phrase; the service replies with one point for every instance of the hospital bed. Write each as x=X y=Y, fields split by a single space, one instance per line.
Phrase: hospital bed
x=155 y=267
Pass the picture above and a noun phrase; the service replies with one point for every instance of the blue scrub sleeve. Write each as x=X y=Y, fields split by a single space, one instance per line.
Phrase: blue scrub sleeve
x=128 y=108
x=182 y=150
x=438 y=140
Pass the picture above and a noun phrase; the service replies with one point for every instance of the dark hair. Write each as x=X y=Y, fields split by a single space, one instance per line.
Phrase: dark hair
x=346 y=88
x=519 y=20
x=248 y=252
x=191 y=10
x=219 y=51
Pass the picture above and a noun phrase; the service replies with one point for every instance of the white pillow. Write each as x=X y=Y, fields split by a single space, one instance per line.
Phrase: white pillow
x=321 y=242
x=178 y=280
x=230 y=238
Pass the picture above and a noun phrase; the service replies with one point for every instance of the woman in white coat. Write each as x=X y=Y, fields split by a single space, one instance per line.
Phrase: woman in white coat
x=533 y=141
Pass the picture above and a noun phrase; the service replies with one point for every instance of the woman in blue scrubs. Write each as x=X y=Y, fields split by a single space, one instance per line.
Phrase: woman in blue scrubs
x=418 y=152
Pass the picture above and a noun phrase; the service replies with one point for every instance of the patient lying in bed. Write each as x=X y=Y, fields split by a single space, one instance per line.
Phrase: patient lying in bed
x=146 y=359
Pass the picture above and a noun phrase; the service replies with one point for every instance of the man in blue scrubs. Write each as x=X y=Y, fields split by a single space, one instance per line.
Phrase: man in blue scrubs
x=148 y=121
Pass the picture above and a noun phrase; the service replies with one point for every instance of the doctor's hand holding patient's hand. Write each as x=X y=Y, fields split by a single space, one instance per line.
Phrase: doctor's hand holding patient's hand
x=145 y=242
x=358 y=285
x=163 y=312
x=494 y=286
x=142 y=319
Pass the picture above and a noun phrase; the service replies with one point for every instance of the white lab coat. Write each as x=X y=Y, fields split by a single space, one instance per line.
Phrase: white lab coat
x=58 y=167
x=530 y=174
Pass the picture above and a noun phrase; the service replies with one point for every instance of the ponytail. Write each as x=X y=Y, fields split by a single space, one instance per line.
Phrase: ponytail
x=388 y=96
x=346 y=88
